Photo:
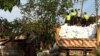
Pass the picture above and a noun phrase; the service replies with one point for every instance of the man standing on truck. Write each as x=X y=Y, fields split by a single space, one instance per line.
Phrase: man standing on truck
x=86 y=18
x=73 y=14
x=68 y=18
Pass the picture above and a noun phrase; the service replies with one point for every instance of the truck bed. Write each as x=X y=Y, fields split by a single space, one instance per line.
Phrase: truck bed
x=77 y=43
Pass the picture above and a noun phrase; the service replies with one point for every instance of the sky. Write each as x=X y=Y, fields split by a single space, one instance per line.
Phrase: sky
x=89 y=7
x=15 y=13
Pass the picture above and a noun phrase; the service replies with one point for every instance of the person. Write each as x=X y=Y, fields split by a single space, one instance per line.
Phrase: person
x=76 y=17
x=86 y=18
x=73 y=14
x=93 y=18
x=68 y=18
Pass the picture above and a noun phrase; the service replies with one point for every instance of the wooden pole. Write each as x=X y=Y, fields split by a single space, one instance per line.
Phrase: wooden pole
x=96 y=7
x=82 y=3
x=97 y=28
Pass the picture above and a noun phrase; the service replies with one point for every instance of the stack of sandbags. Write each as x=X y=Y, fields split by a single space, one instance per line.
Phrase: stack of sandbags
x=77 y=31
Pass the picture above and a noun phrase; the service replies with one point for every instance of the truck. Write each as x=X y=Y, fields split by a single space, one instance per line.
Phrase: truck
x=76 y=46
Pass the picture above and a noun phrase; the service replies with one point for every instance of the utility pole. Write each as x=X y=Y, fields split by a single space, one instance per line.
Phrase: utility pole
x=96 y=8
x=82 y=3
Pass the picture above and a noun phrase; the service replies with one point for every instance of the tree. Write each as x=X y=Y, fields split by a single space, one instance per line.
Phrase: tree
x=9 y=30
x=8 y=4
x=39 y=17
x=5 y=25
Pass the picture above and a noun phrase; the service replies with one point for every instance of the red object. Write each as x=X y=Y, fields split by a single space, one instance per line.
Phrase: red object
x=98 y=17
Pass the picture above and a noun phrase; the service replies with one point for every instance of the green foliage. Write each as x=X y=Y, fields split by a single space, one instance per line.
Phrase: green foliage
x=4 y=26
x=98 y=51
x=43 y=21
x=8 y=4
x=10 y=29
x=46 y=26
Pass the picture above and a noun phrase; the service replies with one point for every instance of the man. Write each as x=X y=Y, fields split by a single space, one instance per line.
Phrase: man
x=73 y=14
x=68 y=18
x=86 y=18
